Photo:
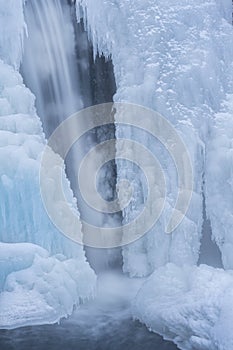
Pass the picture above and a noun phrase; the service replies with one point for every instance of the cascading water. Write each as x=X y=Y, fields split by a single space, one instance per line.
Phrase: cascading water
x=59 y=68
x=49 y=62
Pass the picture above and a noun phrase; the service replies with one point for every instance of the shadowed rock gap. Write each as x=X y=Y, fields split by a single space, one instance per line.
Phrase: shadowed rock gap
x=209 y=251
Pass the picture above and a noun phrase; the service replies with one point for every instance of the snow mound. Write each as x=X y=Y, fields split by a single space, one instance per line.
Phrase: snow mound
x=37 y=288
x=192 y=306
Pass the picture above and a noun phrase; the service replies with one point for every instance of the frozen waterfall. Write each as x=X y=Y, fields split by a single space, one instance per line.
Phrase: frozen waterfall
x=174 y=57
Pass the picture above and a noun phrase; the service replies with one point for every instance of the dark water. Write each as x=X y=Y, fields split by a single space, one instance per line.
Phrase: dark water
x=125 y=336
x=103 y=324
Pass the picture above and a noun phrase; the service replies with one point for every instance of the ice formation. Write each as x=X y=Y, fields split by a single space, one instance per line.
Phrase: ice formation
x=23 y=217
x=219 y=187
x=173 y=57
x=192 y=306
x=12 y=31
x=37 y=288
x=176 y=59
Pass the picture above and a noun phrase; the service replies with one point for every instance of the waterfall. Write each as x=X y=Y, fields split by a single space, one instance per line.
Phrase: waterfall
x=59 y=68
x=49 y=62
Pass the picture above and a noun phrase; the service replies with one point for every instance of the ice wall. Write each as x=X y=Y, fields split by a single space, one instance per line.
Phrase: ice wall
x=23 y=216
x=219 y=189
x=60 y=264
x=12 y=31
x=174 y=58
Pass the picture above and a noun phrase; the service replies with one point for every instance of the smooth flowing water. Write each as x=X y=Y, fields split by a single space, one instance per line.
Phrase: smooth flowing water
x=49 y=62
x=59 y=68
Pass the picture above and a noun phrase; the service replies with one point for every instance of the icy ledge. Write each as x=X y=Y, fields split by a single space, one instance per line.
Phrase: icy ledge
x=192 y=306
x=38 y=288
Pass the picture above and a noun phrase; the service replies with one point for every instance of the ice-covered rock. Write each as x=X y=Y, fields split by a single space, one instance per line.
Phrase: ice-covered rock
x=192 y=306
x=37 y=288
